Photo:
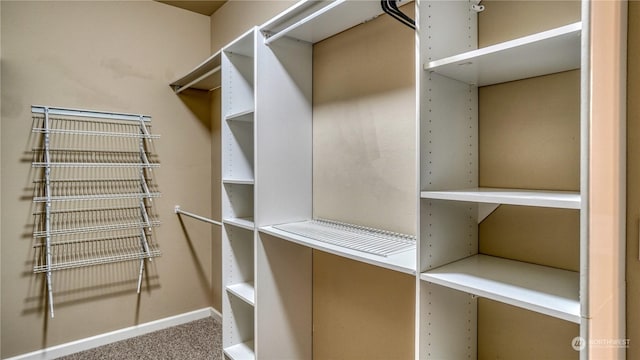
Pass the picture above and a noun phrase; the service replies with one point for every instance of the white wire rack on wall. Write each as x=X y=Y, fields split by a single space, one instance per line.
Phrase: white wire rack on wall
x=93 y=191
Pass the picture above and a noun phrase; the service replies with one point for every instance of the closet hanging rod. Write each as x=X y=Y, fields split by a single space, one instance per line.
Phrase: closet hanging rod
x=179 y=89
x=179 y=211
x=37 y=109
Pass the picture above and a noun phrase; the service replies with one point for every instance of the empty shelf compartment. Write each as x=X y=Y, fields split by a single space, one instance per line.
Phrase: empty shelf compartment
x=243 y=351
x=244 y=291
x=552 y=199
x=542 y=289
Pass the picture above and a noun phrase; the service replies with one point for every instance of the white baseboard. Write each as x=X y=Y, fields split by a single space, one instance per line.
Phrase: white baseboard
x=122 y=334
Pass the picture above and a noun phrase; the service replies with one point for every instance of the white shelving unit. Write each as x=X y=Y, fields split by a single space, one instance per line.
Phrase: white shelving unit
x=268 y=228
x=238 y=180
x=452 y=271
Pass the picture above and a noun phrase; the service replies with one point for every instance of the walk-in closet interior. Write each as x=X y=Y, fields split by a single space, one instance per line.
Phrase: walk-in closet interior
x=343 y=179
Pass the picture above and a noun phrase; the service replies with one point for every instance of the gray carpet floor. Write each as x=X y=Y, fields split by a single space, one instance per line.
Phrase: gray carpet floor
x=200 y=339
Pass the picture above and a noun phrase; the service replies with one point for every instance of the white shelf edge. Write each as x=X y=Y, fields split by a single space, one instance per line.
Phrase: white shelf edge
x=244 y=291
x=245 y=223
x=241 y=116
x=208 y=67
x=238 y=181
x=539 y=198
x=456 y=66
x=303 y=25
x=243 y=351
x=404 y=262
x=538 y=288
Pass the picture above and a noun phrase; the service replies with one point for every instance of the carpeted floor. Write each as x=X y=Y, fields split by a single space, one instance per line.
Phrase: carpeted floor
x=200 y=339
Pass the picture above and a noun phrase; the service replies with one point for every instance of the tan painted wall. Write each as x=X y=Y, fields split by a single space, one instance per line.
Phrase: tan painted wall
x=528 y=138
x=364 y=173
x=237 y=16
x=633 y=180
x=117 y=56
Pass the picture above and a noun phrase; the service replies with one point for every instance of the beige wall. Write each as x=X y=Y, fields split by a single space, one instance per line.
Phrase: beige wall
x=364 y=172
x=633 y=180
x=116 y=56
x=237 y=16
x=528 y=138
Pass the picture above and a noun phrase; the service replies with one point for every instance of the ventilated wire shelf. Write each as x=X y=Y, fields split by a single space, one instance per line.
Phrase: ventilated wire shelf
x=79 y=253
x=93 y=189
x=68 y=222
x=91 y=127
x=360 y=238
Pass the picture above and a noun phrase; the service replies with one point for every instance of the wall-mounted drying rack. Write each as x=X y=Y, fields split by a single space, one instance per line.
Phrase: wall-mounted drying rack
x=179 y=211
x=94 y=191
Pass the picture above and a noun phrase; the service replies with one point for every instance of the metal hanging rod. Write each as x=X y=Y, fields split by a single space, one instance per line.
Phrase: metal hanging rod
x=37 y=109
x=179 y=89
x=179 y=211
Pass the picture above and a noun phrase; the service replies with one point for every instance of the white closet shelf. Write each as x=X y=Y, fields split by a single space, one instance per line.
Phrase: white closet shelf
x=315 y=21
x=245 y=223
x=244 y=291
x=353 y=242
x=205 y=76
x=243 y=351
x=238 y=181
x=552 y=199
x=542 y=53
x=538 y=288
x=245 y=115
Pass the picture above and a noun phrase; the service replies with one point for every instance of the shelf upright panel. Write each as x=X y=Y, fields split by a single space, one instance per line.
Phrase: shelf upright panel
x=448 y=159
x=238 y=189
x=283 y=194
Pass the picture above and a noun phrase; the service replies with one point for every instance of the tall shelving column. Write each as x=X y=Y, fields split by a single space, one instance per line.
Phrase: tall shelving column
x=238 y=181
x=453 y=274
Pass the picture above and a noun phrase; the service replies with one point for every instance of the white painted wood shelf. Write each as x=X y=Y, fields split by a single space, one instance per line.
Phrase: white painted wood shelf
x=329 y=239
x=542 y=53
x=205 y=76
x=539 y=198
x=312 y=23
x=543 y=289
x=238 y=181
x=244 y=115
x=244 y=291
x=242 y=351
x=245 y=223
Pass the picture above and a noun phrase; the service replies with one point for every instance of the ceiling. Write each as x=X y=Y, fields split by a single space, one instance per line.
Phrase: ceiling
x=204 y=7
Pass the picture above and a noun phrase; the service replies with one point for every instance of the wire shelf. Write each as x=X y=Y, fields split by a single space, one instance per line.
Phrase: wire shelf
x=70 y=255
x=360 y=238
